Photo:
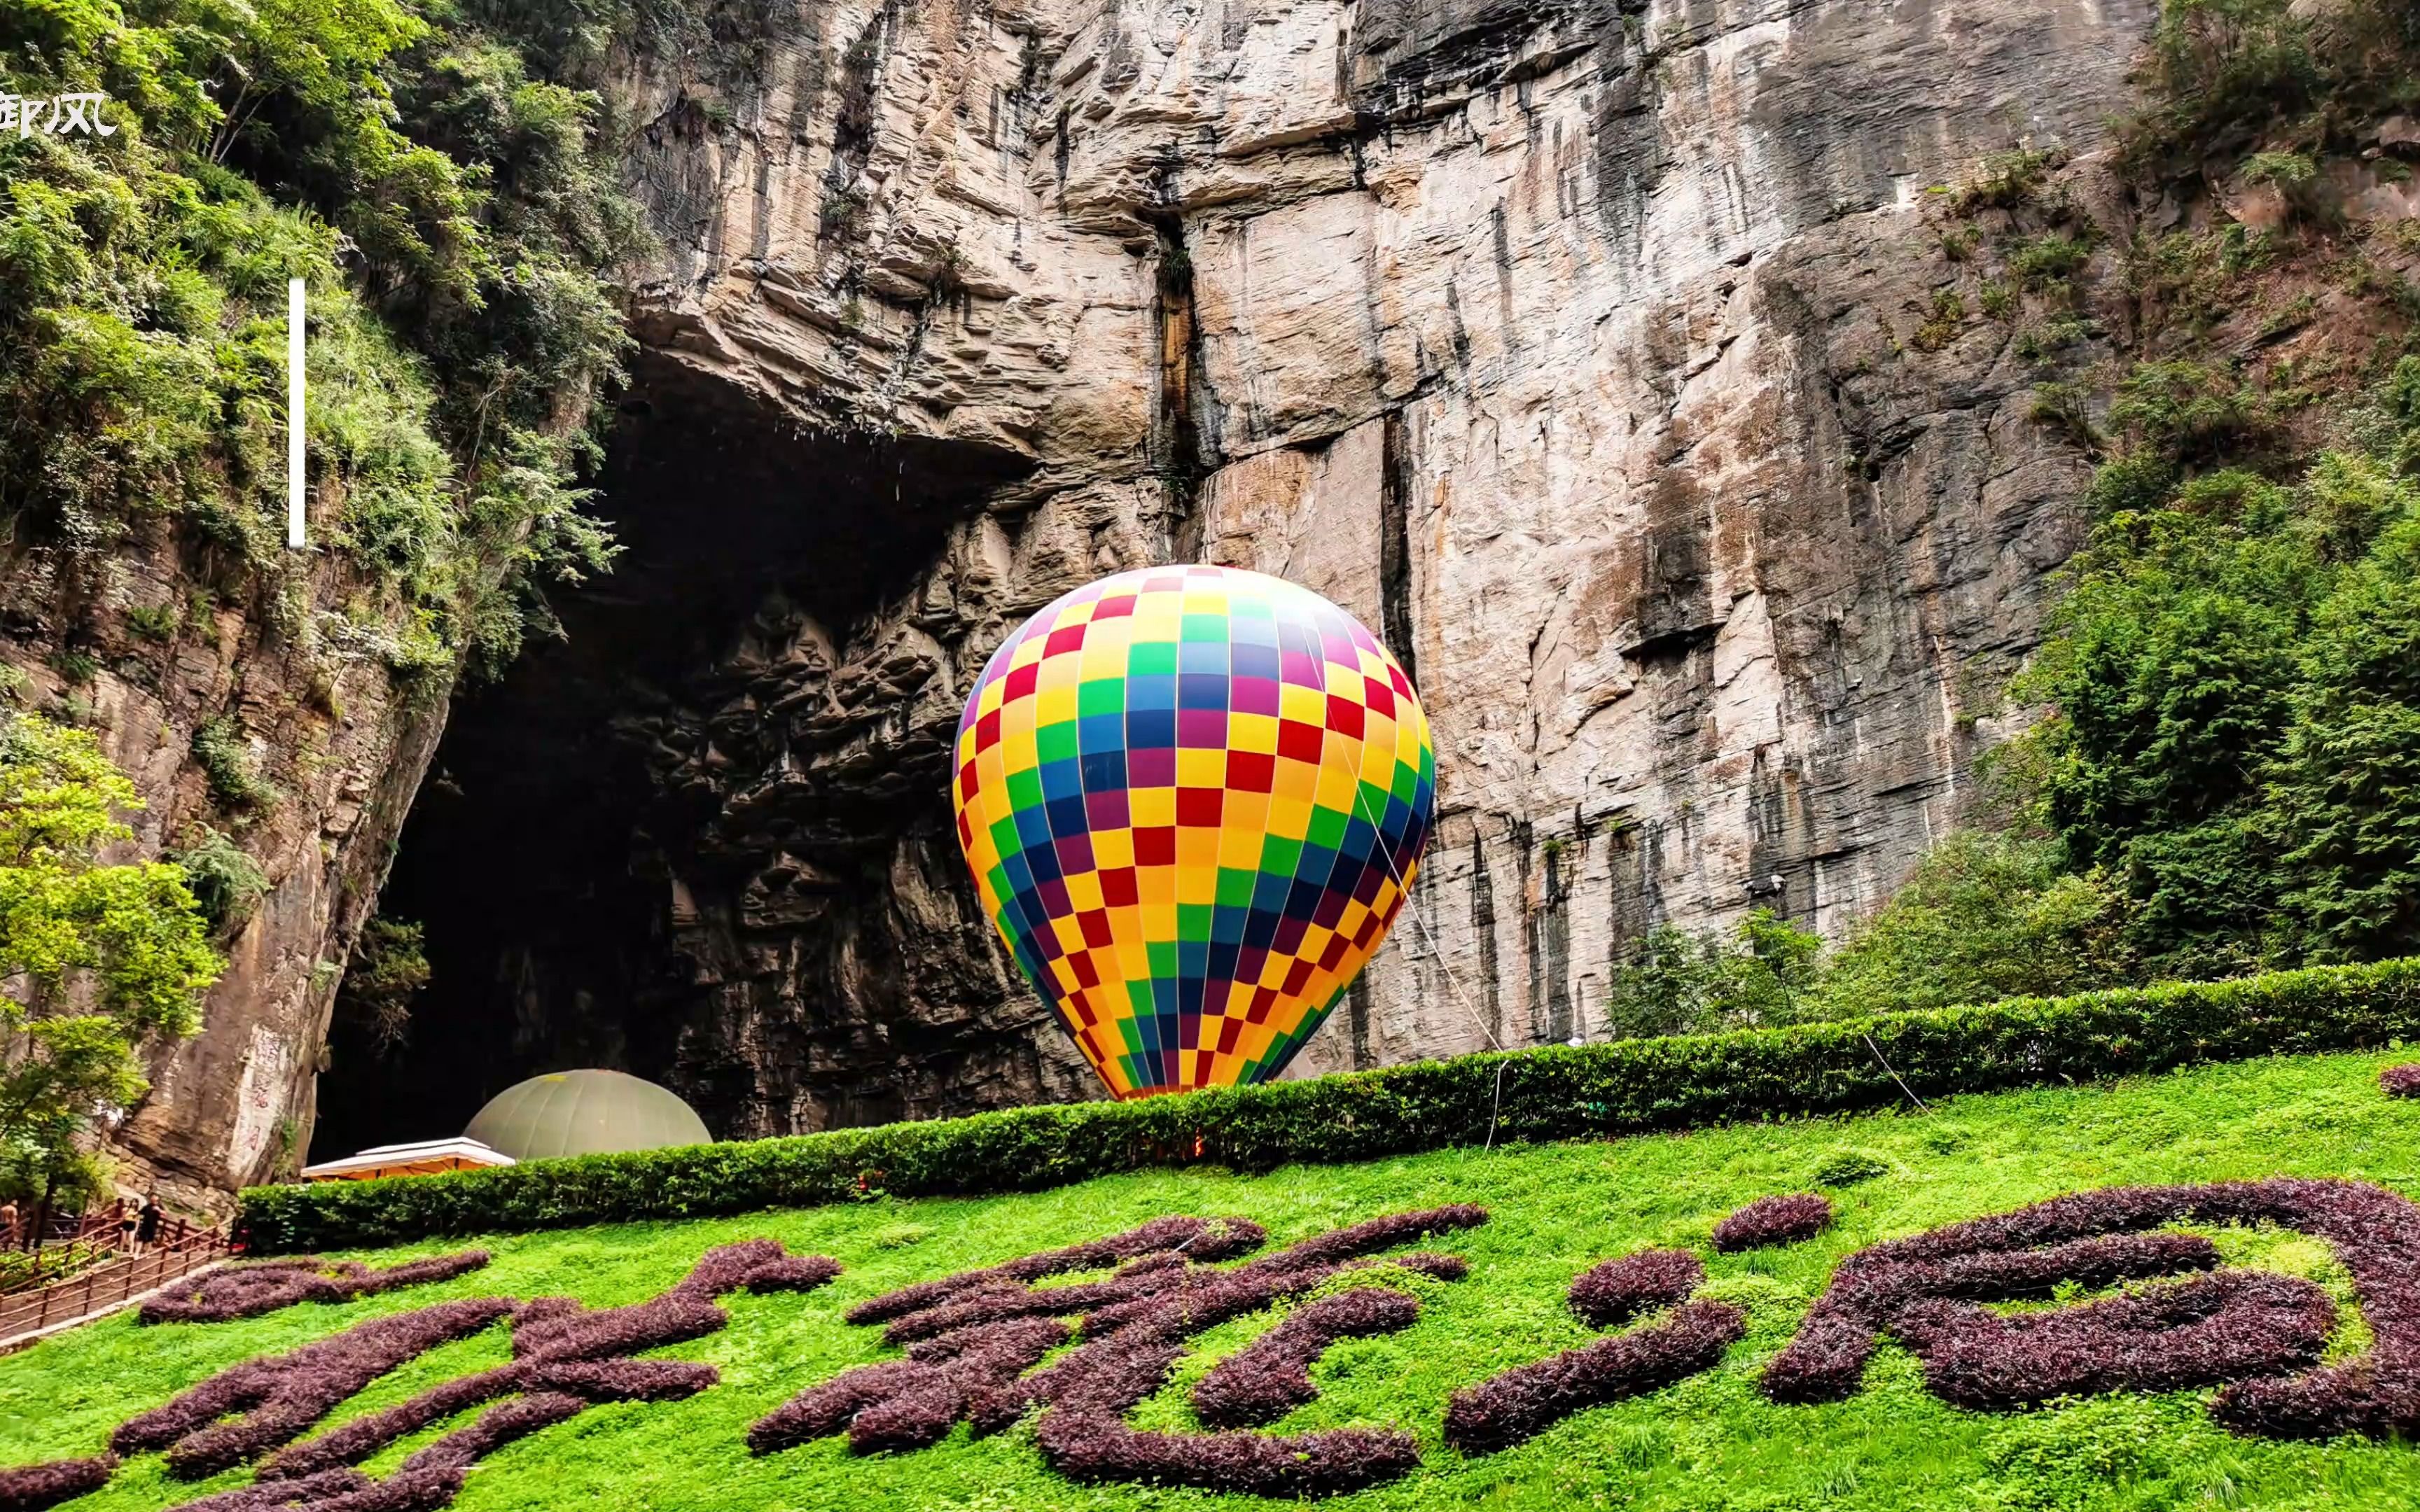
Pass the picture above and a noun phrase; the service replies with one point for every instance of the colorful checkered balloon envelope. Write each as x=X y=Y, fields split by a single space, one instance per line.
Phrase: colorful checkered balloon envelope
x=1193 y=798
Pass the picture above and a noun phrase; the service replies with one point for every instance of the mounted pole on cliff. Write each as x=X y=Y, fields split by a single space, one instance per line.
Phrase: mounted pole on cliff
x=294 y=412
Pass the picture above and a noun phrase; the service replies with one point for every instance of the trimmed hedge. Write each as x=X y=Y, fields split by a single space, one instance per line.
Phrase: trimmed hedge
x=1553 y=1093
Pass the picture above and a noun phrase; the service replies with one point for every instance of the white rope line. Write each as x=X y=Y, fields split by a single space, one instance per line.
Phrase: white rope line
x=1411 y=907
x=1894 y=1075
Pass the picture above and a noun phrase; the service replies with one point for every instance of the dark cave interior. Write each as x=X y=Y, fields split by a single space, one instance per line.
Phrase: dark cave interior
x=525 y=855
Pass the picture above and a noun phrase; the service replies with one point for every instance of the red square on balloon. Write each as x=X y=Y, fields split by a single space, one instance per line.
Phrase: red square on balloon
x=1344 y=716
x=1118 y=886
x=1380 y=698
x=1096 y=925
x=1300 y=742
x=1065 y=638
x=987 y=731
x=1021 y=682
x=1198 y=807
x=1156 y=845
x=1250 y=771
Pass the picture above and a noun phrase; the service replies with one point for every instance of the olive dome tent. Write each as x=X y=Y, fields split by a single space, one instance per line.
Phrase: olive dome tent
x=585 y=1113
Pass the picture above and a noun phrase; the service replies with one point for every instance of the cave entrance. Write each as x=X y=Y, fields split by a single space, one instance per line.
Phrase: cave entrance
x=548 y=856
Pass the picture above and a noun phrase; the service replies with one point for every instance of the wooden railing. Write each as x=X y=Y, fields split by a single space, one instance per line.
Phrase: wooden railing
x=70 y=1246
x=102 y=1286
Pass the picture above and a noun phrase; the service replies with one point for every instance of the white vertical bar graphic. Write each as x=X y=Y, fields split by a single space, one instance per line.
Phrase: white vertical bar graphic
x=294 y=411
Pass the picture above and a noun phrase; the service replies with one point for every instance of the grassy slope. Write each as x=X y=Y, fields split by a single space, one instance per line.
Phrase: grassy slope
x=1710 y=1444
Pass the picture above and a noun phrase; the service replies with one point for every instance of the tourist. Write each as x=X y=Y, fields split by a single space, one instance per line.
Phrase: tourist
x=8 y=1224
x=126 y=1224
x=146 y=1226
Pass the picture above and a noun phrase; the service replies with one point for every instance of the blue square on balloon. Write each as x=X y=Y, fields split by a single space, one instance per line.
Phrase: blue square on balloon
x=1067 y=816
x=1032 y=827
x=1202 y=691
x=1104 y=772
x=1201 y=657
x=1062 y=779
x=1043 y=859
x=1256 y=661
x=1151 y=692
x=1222 y=963
x=1098 y=732
x=1151 y=729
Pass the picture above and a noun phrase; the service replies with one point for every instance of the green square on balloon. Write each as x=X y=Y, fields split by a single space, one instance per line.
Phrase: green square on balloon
x=1101 y=695
x=1327 y=827
x=1024 y=790
x=1205 y=628
x=1193 y=923
x=1235 y=886
x=1281 y=857
x=1162 y=955
x=1056 y=741
x=1150 y=658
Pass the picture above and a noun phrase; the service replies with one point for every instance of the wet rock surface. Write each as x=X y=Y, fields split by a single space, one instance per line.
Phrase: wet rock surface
x=1574 y=348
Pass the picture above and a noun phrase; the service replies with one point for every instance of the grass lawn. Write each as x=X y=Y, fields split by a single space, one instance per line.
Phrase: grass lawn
x=1708 y=1444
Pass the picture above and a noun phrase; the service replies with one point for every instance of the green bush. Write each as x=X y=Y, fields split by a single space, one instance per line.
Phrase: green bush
x=225 y=760
x=1553 y=1093
x=224 y=881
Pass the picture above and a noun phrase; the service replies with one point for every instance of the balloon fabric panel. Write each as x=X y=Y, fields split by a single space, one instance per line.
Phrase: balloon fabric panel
x=1192 y=798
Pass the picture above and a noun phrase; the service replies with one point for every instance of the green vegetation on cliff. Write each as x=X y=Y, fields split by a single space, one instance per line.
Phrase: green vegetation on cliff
x=453 y=222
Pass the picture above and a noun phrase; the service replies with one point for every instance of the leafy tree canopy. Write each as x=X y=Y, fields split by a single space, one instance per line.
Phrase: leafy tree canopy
x=98 y=958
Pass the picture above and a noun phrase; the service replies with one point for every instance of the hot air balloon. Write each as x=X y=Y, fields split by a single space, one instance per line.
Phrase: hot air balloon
x=1193 y=799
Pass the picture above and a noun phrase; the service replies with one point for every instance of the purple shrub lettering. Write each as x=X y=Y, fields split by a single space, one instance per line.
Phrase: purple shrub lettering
x=562 y=1352
x=2197 y=1333
x=973 y=1340
x=1528 y=1399
x=2400 y=1081
x=565 y=1359
x=223 y=1293
x=268 y=1402
x=1617 y=1291
x=1271 y=1376
x=1102 y=1448
x=2251 y=1329
x=1199 y=1239
x=1782 y=1220
x=32 y=1488
x=1524 y=1401
x=907 y=1404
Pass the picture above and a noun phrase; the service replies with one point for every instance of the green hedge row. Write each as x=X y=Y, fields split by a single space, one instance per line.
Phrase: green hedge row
x=1553 y=1093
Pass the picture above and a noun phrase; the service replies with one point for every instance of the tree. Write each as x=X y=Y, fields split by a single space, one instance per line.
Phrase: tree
x=388 y=969
x=1760 y=973
x=98 y=958
x=1986 y=915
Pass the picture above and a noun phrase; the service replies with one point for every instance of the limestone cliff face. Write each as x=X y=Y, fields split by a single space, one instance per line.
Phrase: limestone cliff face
x=1573 y=346
x=157 y=642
